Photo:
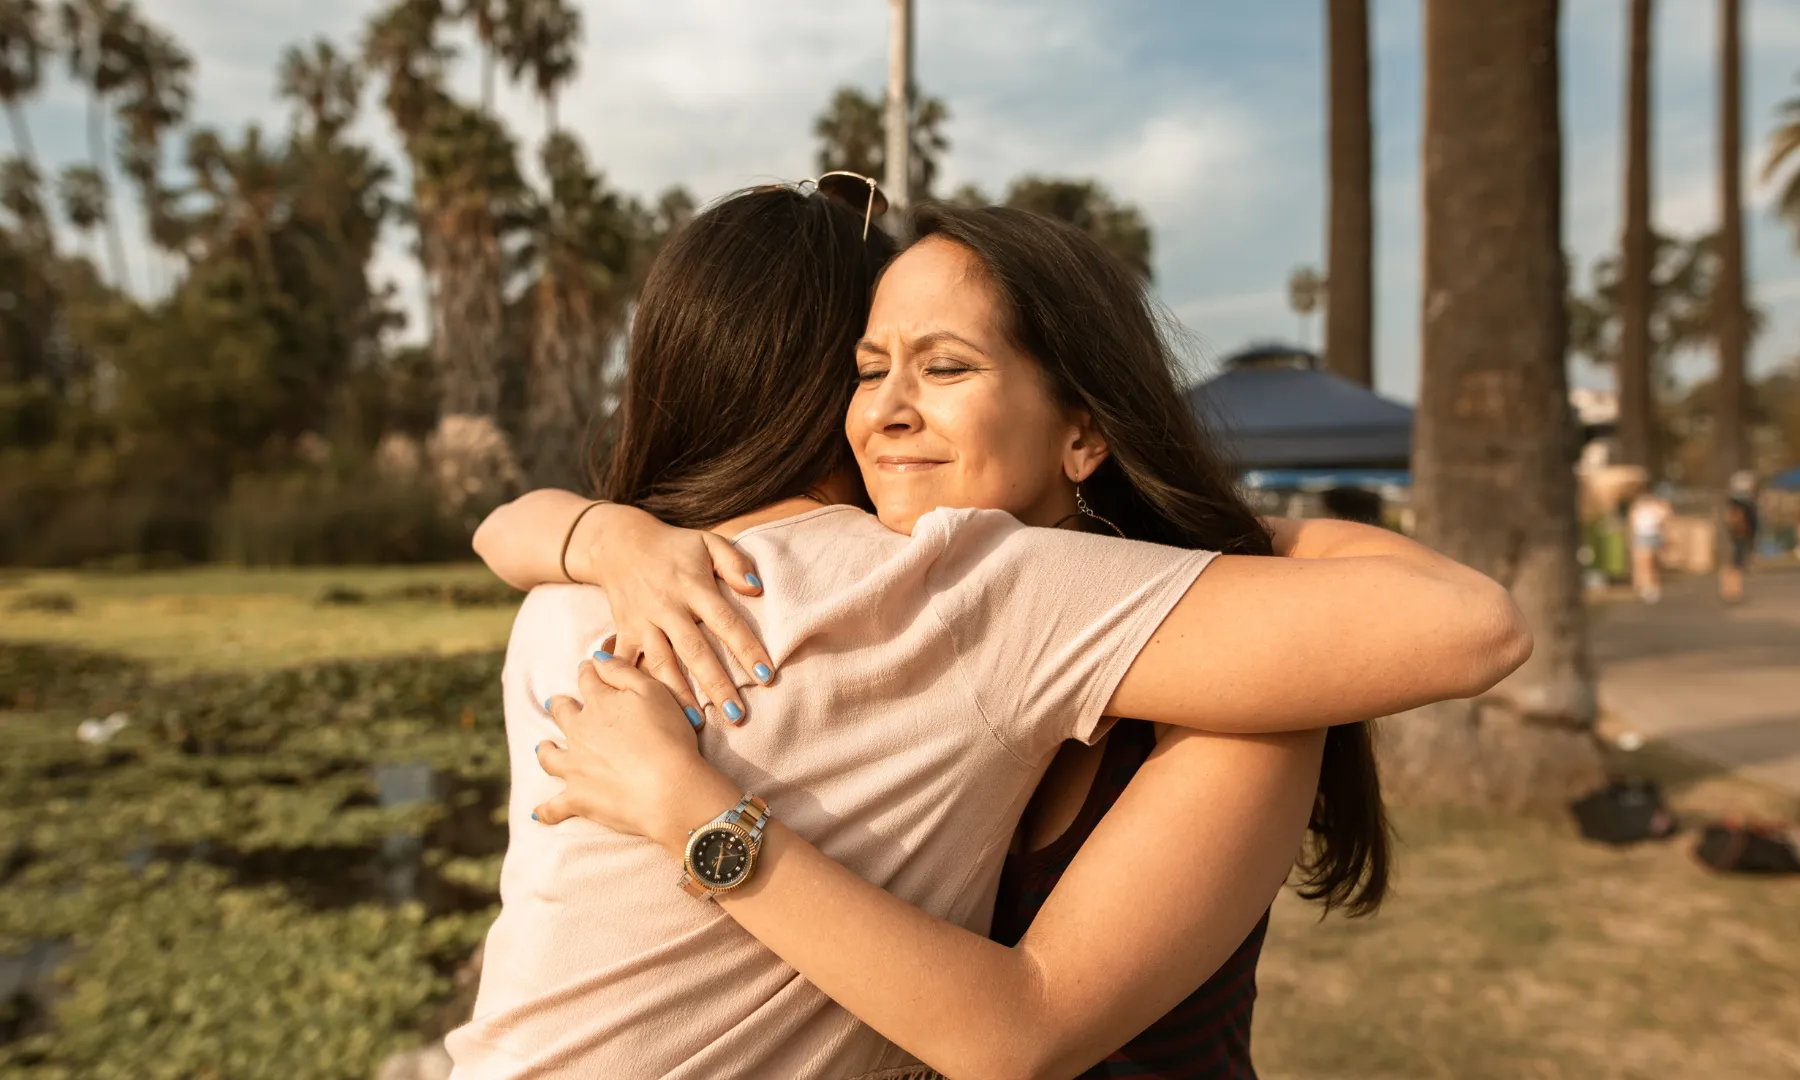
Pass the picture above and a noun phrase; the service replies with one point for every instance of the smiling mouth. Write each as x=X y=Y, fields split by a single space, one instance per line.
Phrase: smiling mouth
x=906 y=464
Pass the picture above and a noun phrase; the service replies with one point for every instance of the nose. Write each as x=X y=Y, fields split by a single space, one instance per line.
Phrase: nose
x=893 y=407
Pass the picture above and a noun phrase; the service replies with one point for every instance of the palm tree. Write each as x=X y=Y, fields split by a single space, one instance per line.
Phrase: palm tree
x=1088 y=206
x=1784 y=145
x=153 y=100
x=21 y=66
x=21 y=193
x=852 y=134
x=488 y=18
x=541 y=41
x=82 y=193
x=1637 y=405
x=1733 y=449
x=401 y=46
x=96 y=37
x=1493 y=482
x=1350 y=250
x=468 y=192
x=323 y=85
x=245 y=188
x=582 y=254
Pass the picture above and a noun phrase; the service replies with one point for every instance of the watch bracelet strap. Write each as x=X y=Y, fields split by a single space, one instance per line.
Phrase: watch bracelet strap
x=754 y=813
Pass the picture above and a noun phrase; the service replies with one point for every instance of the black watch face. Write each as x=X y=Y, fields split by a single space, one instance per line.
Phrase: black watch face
x=719 y=858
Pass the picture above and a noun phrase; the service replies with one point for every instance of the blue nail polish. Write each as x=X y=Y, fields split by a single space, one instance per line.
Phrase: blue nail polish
x=534 y=816
x=732 y=711
x=693 y=715
x=763 y=674
x=602 y=654
x=546 y=704
x=755 y=582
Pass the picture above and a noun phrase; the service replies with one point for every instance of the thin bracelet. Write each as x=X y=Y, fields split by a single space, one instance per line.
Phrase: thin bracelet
x=563 y=560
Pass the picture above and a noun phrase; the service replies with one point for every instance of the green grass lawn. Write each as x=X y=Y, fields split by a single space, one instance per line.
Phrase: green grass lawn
x=229 y=619
x=1510 y=948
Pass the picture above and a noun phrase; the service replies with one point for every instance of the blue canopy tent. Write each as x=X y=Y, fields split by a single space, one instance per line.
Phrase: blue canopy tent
x=1290 y=425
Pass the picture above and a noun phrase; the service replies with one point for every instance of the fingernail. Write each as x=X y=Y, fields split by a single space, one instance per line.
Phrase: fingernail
x=534 y=816
x=763 y=674
x=755 y=582
x=733 y=712
x=694 y=716
x=546 y=704
x=602 y=654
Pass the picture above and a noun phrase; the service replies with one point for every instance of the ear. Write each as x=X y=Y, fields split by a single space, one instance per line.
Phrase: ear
x=1085 y=450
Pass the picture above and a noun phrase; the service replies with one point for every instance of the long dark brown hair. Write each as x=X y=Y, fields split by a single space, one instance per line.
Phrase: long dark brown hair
x=739 y=369
x=1086 y=319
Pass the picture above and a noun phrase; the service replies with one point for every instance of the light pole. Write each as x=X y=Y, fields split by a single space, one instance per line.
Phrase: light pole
x=898 y=181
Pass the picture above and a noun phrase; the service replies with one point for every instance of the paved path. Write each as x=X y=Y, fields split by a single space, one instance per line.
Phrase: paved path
x=1720 y=683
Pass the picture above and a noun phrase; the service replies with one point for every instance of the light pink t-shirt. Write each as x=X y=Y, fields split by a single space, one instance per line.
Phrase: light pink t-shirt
x=925 y=683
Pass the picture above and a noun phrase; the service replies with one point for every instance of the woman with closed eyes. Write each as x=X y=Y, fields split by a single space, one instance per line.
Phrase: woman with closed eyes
x=923 y=699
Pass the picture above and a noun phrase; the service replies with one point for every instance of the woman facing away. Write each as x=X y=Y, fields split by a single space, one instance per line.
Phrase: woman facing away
x=928 y=680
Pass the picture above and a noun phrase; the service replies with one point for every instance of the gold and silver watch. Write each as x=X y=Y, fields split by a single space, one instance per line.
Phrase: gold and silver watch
x=722 y=853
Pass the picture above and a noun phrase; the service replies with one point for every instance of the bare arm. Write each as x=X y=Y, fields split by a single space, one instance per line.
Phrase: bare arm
x=1168 y=886
x=661 y=582
x=521 y=541
x=1358 y=622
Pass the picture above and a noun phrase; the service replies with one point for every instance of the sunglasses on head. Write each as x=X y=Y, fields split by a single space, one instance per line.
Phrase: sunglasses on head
x=853 y=190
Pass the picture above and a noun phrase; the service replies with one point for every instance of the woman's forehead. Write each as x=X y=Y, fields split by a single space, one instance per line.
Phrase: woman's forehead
x=933 y=285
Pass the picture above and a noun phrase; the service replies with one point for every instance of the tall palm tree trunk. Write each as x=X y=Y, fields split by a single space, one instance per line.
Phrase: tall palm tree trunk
x=1733 y=446
x=1350 y=299
x=1637 y=403
x=115 y=244
x=1493 y=460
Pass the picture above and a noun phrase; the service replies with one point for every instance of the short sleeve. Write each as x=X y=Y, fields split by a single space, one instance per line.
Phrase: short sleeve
x=1047 y=621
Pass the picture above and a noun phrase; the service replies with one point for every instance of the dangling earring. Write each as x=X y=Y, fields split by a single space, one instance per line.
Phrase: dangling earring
x=1082 y=509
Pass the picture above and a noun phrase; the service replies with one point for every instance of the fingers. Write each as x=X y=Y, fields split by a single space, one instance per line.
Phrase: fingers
x=734 y=630
x=554 y=812
x=552 y=758
x=563 y=709
x=732 y=566
x=619 y=676
x=659 y=662
x=625 y=646
x=697 y=653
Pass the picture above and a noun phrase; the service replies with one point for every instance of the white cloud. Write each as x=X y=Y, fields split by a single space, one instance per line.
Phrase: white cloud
x=1208 y=116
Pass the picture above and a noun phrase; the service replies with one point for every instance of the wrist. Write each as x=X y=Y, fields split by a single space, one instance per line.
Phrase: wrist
x=590 y=532
x=691 y=801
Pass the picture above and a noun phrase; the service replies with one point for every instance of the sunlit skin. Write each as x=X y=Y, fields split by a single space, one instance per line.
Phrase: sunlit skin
x=947 y=412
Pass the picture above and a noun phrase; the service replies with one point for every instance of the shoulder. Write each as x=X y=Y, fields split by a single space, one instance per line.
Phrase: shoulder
x=557 y=624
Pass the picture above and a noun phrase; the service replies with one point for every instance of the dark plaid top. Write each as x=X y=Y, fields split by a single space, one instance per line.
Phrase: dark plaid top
x=1207 y=1036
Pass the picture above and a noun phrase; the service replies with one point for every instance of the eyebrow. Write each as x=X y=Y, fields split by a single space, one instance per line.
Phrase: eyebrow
x=920 y=343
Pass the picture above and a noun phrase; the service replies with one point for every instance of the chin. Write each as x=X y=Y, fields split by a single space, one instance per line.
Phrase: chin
x=900 y=521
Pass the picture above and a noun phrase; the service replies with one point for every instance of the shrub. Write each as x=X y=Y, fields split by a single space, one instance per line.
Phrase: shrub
x=320 y=518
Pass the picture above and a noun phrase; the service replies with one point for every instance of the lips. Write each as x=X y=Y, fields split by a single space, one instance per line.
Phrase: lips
x=902 y=463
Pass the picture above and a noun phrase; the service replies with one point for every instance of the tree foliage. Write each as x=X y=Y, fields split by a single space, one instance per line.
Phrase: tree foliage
x=1683 y=274
x=262 y=359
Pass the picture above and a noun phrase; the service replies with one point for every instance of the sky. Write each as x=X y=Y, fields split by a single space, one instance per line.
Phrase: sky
x=1207 y=114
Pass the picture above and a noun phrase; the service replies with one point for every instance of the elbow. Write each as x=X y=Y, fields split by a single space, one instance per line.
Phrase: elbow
x=1503 y=639
x=488 y=545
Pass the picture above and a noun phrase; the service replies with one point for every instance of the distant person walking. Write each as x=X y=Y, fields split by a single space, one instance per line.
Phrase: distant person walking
x=1740 y=535
x=1648 y=514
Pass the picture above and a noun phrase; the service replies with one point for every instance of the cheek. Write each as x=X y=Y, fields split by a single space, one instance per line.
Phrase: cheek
x=1007 y=449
